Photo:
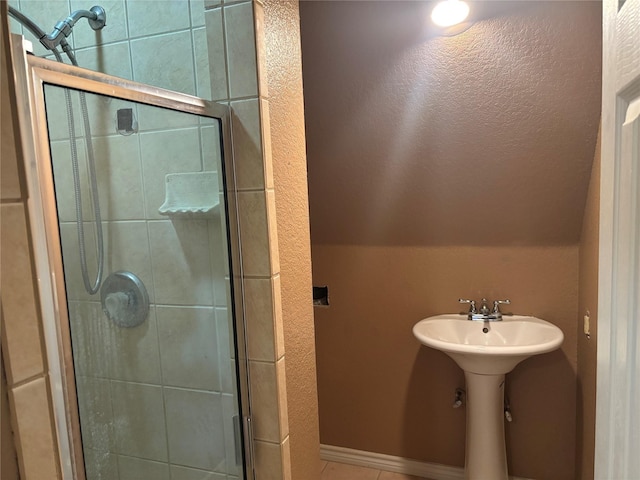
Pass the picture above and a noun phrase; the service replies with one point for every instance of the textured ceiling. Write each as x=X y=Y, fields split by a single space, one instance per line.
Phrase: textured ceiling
x=484 y=138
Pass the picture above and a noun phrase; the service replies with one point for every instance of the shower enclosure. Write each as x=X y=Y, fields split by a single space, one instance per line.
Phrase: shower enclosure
x=147 y=365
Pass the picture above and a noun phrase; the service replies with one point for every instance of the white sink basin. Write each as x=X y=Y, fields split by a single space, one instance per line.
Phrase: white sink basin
x=496 y=351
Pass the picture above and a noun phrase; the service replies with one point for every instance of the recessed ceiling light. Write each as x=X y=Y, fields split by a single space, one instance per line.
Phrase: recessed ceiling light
x=449 y=12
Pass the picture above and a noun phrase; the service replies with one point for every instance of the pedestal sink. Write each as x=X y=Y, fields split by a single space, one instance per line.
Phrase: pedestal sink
x=486 y=351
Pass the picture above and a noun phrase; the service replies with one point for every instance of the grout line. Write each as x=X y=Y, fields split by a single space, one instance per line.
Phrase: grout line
x=26 y=381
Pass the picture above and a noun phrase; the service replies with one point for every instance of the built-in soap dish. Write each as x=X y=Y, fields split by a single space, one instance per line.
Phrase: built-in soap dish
x=191 y=194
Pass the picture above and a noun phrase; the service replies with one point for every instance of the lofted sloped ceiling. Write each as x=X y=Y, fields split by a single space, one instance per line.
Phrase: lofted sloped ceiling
x=484 y=138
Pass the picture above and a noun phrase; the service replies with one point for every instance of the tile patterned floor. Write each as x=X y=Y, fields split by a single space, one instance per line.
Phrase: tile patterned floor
x=341 y=471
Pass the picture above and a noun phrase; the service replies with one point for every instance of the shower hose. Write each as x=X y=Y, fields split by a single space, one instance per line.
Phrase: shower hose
x=91 y=287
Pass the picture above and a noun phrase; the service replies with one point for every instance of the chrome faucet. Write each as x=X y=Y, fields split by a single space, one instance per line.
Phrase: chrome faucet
x=484 y=308
x=485 y=314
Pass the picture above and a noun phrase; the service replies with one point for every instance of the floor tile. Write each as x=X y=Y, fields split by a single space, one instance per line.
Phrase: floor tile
x=397 y=476
x=339 y=471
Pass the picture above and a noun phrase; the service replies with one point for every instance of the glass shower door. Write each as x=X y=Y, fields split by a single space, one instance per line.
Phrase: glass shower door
x=140 y=198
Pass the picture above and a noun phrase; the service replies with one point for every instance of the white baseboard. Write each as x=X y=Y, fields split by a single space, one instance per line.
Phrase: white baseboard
x=390 y=463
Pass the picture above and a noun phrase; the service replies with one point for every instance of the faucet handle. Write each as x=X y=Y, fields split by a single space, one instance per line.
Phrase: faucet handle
x=472 y=304
x=497 y=303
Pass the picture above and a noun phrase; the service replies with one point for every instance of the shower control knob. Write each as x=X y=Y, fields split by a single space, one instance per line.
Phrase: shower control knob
x=116 y=305
x=124 y=299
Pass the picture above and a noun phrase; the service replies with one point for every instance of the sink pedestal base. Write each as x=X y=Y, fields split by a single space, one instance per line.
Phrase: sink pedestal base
x=485 y=456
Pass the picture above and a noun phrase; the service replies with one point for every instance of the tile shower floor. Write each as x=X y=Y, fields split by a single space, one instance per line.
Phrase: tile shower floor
x=341 y=471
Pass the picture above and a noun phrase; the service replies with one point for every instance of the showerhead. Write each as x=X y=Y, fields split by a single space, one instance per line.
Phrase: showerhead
x=100 y=20
x=97 y=18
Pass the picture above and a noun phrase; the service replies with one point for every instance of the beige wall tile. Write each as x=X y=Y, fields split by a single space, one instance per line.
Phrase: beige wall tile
x=229 y=410
x=57 y=122
x=263 y=314
x=259 y=316
x=62 y=174
x=103 y=112
x=71 y=259
x=152 y=118
x=133 y=352
x=254 y=234
x=107 y=59
x=268 y=461
x=195 y=429
x=219 y=260
x=188 y=347
x=241 y=50
x=247 y=144
x=131 y=468
x=45 y=13
x=274 y=251
x=9 y=183
x=88 y=328
x=264 y=401
x=225 y=350
x=268 y=400
x=119 y=176
x=278 y=322
x=201 y=56
x=183 y=473
x=127 y=248
x=100 y=464
x=150 y=67
x=197 y=13
x=21 y=319
x=35 y=430
x=180 y=262
x=283 y=408
x=96 y=415
x=139 y=420
x=116 y=21
x=174 y=15
x=103 y=349
x=265 y=127
x=217 y=54
x=261 y=48
x=174 y=151
x=211 y=148
x=8 y=457
x=286 y=459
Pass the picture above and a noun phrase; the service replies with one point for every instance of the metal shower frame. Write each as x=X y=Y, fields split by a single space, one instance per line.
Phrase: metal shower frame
x=32 y=73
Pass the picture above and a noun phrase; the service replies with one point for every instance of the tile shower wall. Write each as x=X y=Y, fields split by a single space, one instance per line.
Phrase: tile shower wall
x=240 y=28
x=233 y=72
x=160 y=397
x=161 y=43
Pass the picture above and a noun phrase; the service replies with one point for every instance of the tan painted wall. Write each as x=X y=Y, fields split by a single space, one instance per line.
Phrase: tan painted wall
x=286 y=108
x=485 y=138
x=587 y=348
x=439 y=168
x=381 y=392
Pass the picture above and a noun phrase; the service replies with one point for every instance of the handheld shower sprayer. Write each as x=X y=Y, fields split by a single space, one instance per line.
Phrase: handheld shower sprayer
x=97 y=19
x=96 y=16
